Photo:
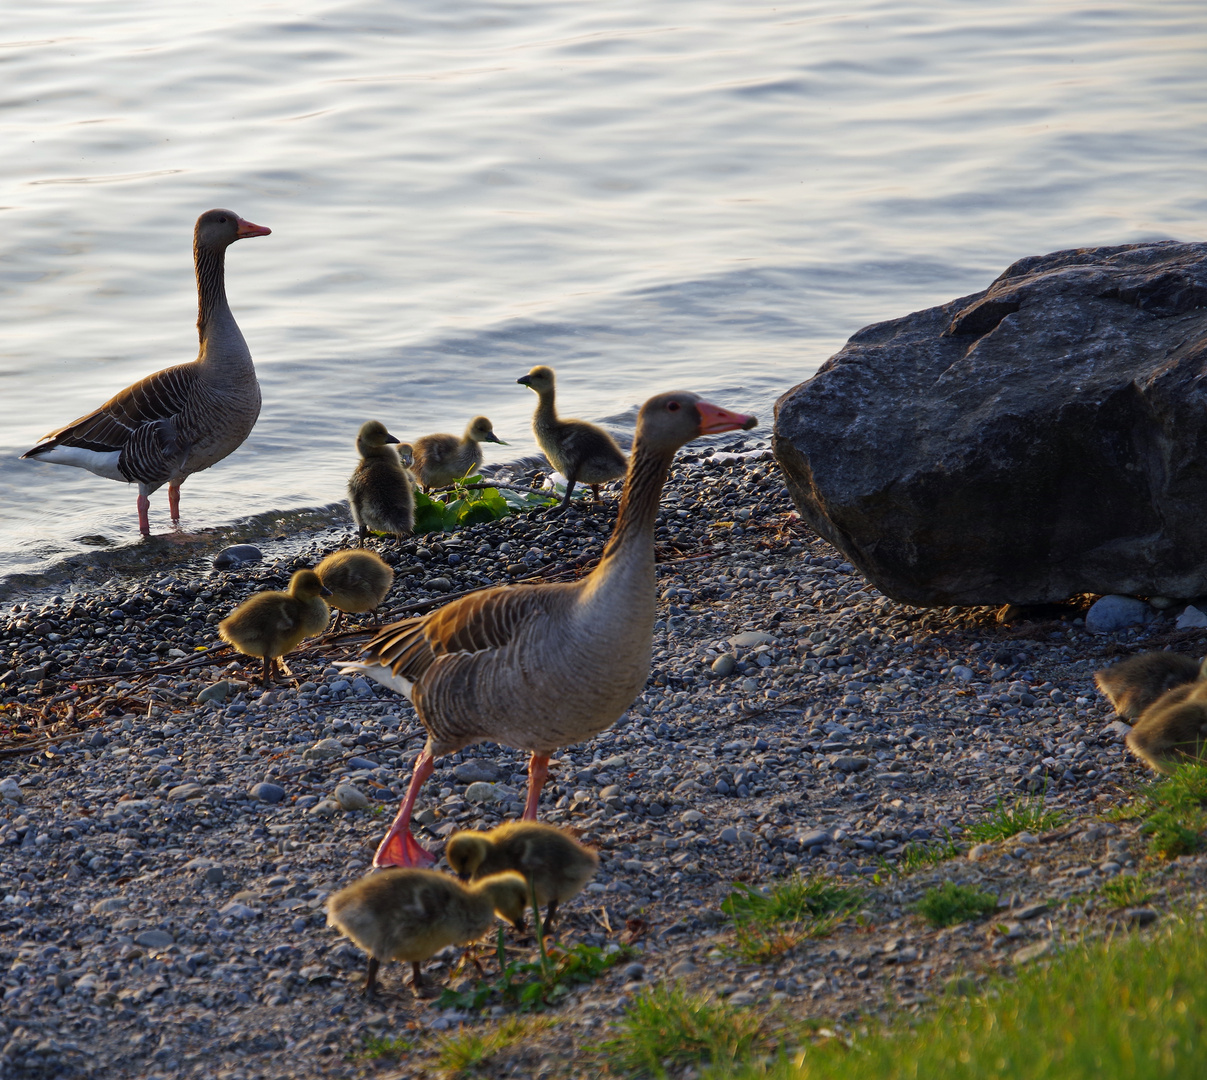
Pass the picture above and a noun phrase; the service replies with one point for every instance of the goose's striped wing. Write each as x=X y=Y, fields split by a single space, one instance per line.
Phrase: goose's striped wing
x=138 y=422
x=488 y=620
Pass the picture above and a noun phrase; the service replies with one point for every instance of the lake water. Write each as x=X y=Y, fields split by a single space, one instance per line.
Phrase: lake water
x=710 y=195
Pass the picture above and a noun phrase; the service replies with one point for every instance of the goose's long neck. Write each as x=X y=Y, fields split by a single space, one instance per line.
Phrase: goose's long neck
x=632 y=540
x=217 y=330
x=546 y=413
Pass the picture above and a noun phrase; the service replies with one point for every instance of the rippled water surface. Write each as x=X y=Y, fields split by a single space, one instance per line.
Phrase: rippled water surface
x=709 y=194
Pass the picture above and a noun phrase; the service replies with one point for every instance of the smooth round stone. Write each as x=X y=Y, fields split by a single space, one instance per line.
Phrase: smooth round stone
x=851 y=764
x=154 y=939
x=266 y=792
x=814 y=838
x=729 y=834
x=324 y=809
x=182 y=792
x=1141 y=916
x=482 y=792
x=350 y=797
x=439 y=584
x=323 y=750
x=982 y=851
x=724 y=664
x=749 y=638
x=362 y=763
x=749 y=686
x=216 y=692
x=109 y=905
x=11 y=790
x=1110 y=613
x=237 y=910
x=475 y=770
x=633 y=972
x=683 y=967
x=237 y=555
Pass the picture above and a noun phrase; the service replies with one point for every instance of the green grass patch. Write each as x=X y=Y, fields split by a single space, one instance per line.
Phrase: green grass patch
x=378 y=1048
x=918 y=856
x=1128 y=890
x=1174 y=817
x=1131 y=1008
x=467 y=1050
x=531 y=985
x=1023 y=815
x=666 y=1029
x=772 y=921
x=950 y=903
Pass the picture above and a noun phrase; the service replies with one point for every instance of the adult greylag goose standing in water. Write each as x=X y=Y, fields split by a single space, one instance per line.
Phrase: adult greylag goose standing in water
x=576 y=449
x=538 y=667
x=439 y=460
x=182 y=419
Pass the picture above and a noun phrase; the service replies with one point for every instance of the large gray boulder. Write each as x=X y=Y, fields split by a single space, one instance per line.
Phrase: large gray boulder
x=1042 y=438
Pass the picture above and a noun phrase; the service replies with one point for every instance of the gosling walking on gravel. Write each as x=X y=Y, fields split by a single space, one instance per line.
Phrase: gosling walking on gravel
x=408 y=914
x=1173 y=730
x=558 y=866
x=358 y=581
x=381 y=490
x=270 y=624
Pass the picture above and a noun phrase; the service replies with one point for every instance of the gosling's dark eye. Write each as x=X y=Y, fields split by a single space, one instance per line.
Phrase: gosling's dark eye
x=672 y=406
x=223 y=219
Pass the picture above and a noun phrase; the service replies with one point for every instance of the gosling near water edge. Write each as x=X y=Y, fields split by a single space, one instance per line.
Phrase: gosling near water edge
x=358 y=582
x=270 y=624
x=409 y=914
x=558 y=866
x=381 y=489
x=578 y=450
x=440 y=460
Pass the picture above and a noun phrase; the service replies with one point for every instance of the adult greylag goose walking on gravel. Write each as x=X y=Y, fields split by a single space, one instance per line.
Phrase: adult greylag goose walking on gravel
x=185 y=418
x=439 y=460
x=538 y=667
x=576 y=449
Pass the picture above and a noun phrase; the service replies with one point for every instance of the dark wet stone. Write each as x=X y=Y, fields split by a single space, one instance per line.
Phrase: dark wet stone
x=237 y=555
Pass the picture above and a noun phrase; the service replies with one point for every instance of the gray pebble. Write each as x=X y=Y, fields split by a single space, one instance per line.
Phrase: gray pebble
x=237 y=555
x=154 y=939
x=724 y=664
x=266 y=792
x=350 y=797
x=476 y=769
x=633 y=972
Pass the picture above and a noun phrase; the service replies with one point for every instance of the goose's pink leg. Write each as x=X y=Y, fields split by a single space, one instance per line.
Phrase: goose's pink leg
x=400 y=848
x=538 y=773
x=144 y=524
x=174 y=503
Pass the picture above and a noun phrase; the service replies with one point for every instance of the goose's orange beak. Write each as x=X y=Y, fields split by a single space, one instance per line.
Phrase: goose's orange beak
x=714 y=420
x=246 y=229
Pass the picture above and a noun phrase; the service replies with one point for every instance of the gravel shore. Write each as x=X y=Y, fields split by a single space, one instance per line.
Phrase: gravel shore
x=169 y=833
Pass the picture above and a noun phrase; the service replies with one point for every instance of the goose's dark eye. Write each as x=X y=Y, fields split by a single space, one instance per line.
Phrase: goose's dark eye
x=672 y=406
x=222 y=219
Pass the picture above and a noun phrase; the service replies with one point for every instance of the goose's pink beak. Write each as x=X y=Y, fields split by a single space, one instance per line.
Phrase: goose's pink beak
x=714 y=420
x=246 y=229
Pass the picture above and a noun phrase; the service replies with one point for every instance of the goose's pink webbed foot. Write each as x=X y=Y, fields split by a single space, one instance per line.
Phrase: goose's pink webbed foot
x=400 y=848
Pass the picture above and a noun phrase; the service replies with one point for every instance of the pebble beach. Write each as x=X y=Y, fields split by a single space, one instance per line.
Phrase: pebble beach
x=170 y=832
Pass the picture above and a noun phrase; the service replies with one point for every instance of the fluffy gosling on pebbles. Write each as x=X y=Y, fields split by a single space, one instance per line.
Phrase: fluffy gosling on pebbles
x=558 y=865
x=1173 y=730
x=381 y=490
x=270 y=624
x=358 y=580
x=1132 y=685
x=409 y=914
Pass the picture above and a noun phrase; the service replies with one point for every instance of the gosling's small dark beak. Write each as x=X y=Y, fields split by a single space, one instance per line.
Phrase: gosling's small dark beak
x=525 y=380
x=492 y=437
x=324 y=591
x=463 y=876
x=390 y=438
x=519 y=924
